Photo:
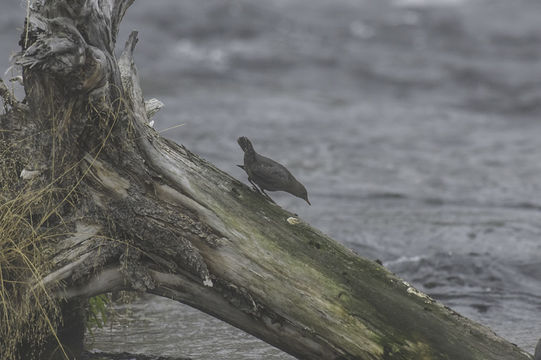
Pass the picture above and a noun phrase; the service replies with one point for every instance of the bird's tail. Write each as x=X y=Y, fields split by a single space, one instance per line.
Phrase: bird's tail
x=246 y=145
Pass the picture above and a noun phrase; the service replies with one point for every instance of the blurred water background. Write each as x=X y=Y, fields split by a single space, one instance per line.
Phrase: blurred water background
x=414 y=124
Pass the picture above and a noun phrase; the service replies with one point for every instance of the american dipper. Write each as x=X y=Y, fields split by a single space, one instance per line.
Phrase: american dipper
x=267 y=174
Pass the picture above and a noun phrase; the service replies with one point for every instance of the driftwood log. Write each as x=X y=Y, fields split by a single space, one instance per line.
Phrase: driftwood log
x=139 y=212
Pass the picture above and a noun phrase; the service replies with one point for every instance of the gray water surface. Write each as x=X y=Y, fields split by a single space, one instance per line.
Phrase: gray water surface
x=414 y=125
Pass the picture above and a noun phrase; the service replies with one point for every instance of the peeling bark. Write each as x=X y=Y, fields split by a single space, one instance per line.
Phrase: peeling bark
x=142 y=213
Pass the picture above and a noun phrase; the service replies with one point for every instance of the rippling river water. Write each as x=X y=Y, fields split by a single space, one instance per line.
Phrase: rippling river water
x=415 y=125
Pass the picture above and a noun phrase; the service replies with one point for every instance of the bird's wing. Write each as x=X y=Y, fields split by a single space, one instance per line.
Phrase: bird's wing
x=270 y=175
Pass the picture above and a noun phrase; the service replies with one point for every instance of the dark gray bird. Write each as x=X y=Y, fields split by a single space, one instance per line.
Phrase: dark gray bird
x=267 y=174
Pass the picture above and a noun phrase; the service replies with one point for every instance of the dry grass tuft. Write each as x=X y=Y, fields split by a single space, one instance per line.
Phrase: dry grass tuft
x=31 y=220
x=28 y=314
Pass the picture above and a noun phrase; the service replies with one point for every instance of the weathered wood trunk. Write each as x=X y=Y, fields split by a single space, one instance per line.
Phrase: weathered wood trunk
x=139 y=212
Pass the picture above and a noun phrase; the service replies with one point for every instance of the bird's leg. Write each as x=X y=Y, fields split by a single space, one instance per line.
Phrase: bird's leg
x=267 y=196
x=254 y=186
x=260 y=190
